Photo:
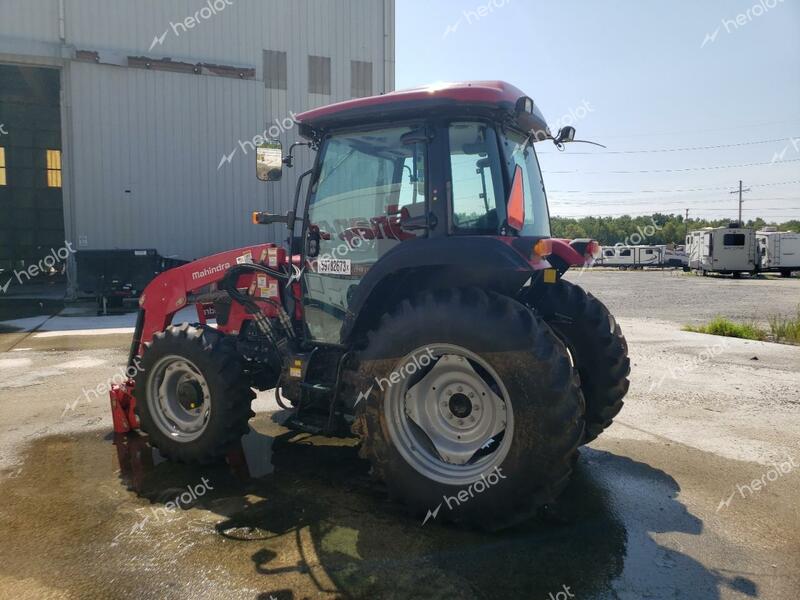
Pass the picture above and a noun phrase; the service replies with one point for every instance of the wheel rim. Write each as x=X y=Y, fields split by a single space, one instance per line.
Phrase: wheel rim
x=178 y=398
x=449 y=416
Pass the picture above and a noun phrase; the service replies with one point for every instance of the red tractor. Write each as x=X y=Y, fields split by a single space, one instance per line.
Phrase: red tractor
x=419 y=305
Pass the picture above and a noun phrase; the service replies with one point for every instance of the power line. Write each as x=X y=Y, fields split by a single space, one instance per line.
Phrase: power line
x=688 y=148
x=670 y=191
x=653 y=201
x=694 y=131
x=715 y=168
x=641 y=213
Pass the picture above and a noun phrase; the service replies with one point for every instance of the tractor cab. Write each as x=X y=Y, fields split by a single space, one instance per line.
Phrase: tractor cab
x=420 y=309
x=431 y=187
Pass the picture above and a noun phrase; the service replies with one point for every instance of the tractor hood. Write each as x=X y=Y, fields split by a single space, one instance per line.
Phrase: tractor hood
x=497 y=100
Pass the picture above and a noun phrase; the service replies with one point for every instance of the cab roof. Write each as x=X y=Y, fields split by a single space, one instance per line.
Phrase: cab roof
x=494 y=99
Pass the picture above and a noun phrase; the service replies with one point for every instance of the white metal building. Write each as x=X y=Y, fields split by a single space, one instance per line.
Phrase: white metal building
x=129 y=124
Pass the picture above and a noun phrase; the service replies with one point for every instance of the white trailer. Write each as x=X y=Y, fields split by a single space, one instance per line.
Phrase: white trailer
x=694 y=247
x=778 y=251
x=631 y=257
x=676 y=257
x=726 y=250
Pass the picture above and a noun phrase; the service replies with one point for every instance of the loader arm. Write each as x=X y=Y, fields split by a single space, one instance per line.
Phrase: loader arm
x=196 y=283
x=192 y=283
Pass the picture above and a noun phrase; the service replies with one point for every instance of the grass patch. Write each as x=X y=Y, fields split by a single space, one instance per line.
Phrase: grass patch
x=724 y=327
x=786 y=330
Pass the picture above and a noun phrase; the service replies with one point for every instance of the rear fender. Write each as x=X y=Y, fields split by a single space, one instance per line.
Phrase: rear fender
x=435 y=263
x=569 y=253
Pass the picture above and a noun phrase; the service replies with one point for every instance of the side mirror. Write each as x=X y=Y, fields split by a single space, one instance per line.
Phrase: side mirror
x=565 y=134
x=269 y=161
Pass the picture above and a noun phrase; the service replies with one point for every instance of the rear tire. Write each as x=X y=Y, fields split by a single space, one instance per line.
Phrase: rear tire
x=597 y=345
x=506 y=345
x=191 y=394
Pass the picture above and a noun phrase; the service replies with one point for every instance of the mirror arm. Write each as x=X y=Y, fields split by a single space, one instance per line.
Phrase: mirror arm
x=297 y=191
x=289 y=159
x=265 y=218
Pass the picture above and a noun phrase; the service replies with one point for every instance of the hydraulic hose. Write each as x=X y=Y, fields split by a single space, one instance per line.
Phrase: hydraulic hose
x=228 y=284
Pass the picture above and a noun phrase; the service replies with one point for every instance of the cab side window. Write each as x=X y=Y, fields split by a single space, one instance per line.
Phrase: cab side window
x=477 y=186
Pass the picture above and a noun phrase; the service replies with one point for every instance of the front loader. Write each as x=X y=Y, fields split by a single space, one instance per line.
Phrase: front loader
x=418 y=304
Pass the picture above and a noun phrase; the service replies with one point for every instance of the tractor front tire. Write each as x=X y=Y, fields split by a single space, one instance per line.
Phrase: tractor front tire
x=495 y=365
x=192 y=398
x=598 y=348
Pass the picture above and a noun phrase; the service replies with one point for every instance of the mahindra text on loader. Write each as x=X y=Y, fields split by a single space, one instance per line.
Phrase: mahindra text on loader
x=420 y=306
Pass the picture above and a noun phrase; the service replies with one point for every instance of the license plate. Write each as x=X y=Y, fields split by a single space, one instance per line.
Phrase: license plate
x=334 y=266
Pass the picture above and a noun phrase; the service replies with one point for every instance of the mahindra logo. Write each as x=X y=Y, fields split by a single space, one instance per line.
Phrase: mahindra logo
x=211 y=271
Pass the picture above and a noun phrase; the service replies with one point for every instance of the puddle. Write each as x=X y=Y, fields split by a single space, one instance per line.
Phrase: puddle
x=297 y=517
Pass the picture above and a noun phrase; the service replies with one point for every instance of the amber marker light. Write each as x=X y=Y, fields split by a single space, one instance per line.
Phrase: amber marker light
x=542 y=248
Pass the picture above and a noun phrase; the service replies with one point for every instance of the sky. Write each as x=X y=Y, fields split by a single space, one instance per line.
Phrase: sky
x=639 y=77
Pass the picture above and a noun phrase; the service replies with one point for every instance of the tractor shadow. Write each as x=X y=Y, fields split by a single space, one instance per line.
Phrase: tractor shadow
x=346 y=539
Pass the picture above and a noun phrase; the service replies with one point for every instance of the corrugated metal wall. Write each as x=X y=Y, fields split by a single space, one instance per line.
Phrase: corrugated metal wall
x=145 y=145
x=28 y=20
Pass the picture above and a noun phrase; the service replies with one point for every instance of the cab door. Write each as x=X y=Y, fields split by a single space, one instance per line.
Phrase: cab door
x=370 y=195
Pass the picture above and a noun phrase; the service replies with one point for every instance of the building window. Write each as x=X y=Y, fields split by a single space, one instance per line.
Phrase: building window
x=319 y=75
x=54 y=168
x=275 y=70
x=360 y=78
x=3 y=180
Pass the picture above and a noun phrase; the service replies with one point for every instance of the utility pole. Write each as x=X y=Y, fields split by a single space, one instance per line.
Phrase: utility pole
x=740 y=191
x=686 y=223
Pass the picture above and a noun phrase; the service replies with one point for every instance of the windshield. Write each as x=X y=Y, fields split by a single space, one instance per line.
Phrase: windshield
x=518 y=152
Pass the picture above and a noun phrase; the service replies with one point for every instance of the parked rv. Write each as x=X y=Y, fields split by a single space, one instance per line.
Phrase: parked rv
x=726 y=250
x=631 y=257
x=676 y=257
x=778 y=251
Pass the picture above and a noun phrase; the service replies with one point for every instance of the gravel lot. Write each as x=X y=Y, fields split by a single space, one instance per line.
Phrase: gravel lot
x=659 y=506
x=686 y=298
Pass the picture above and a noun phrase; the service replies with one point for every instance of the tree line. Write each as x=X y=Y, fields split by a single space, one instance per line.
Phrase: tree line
x=657 y=228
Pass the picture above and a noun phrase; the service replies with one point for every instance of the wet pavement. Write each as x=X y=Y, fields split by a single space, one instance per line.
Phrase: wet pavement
x=94 y=515
x=692 y=493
